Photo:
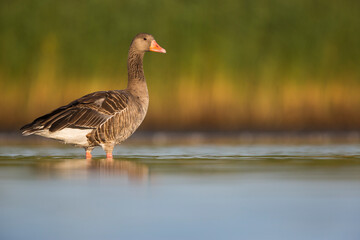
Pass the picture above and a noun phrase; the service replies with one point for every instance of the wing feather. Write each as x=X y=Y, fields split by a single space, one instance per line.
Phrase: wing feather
x=89 y=111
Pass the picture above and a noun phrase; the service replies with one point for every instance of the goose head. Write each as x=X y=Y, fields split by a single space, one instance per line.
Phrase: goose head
x=144 y=42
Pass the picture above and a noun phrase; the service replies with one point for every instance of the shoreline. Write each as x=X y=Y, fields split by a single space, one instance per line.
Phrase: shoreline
x=198 y=138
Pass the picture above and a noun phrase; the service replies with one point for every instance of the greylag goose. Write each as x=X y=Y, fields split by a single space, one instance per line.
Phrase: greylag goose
x=103 y=118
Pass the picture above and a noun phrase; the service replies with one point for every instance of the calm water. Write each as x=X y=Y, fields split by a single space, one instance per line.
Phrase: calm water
x=181 y=192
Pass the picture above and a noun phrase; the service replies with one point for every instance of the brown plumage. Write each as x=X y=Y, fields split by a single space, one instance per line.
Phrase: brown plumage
x=104 y=118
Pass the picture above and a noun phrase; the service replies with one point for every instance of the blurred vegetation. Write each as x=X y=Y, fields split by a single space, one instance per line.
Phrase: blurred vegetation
x=231 y=65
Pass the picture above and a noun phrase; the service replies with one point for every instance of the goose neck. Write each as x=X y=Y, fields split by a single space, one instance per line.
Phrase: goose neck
x=135 y=66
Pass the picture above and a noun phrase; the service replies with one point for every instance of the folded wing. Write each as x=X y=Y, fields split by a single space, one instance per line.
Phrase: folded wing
x=87 y=112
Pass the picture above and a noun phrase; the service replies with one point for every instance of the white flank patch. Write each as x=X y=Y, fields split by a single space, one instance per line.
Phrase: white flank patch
x=68 y=135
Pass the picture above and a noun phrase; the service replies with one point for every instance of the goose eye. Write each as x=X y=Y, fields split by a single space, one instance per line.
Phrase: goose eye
x=145 y=39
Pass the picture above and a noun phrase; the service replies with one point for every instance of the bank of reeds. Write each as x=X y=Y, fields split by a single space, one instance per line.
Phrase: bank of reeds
x=215 y=105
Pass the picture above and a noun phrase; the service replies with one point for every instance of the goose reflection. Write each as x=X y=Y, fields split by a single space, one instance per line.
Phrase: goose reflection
x=134 y=171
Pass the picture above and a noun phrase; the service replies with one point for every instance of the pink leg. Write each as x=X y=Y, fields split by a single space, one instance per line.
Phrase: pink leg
x=109 y=155
x=88 y=152
x=88 y=155
x=108 y=148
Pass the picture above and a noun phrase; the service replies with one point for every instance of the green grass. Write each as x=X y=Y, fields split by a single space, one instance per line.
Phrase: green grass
x=231 y=65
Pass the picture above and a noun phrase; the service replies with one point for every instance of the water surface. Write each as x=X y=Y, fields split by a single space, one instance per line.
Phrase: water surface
x=181 y=192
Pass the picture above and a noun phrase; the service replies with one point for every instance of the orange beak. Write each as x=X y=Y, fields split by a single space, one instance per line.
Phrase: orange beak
x=154 y=47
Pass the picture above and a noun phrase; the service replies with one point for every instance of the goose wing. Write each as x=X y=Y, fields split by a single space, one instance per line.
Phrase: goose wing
x=87 y=112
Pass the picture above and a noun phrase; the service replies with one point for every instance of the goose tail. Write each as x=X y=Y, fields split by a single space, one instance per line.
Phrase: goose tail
x=30 y=129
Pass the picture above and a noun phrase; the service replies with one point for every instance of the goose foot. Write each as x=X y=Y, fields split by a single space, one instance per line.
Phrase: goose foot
x=88 y=152
x=88 y=155
x=108 y=148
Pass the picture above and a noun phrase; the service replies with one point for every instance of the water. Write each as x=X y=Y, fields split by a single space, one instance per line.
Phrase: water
x=181 y=192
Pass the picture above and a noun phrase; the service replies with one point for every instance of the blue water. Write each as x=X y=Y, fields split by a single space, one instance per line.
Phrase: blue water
x=181 y=192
